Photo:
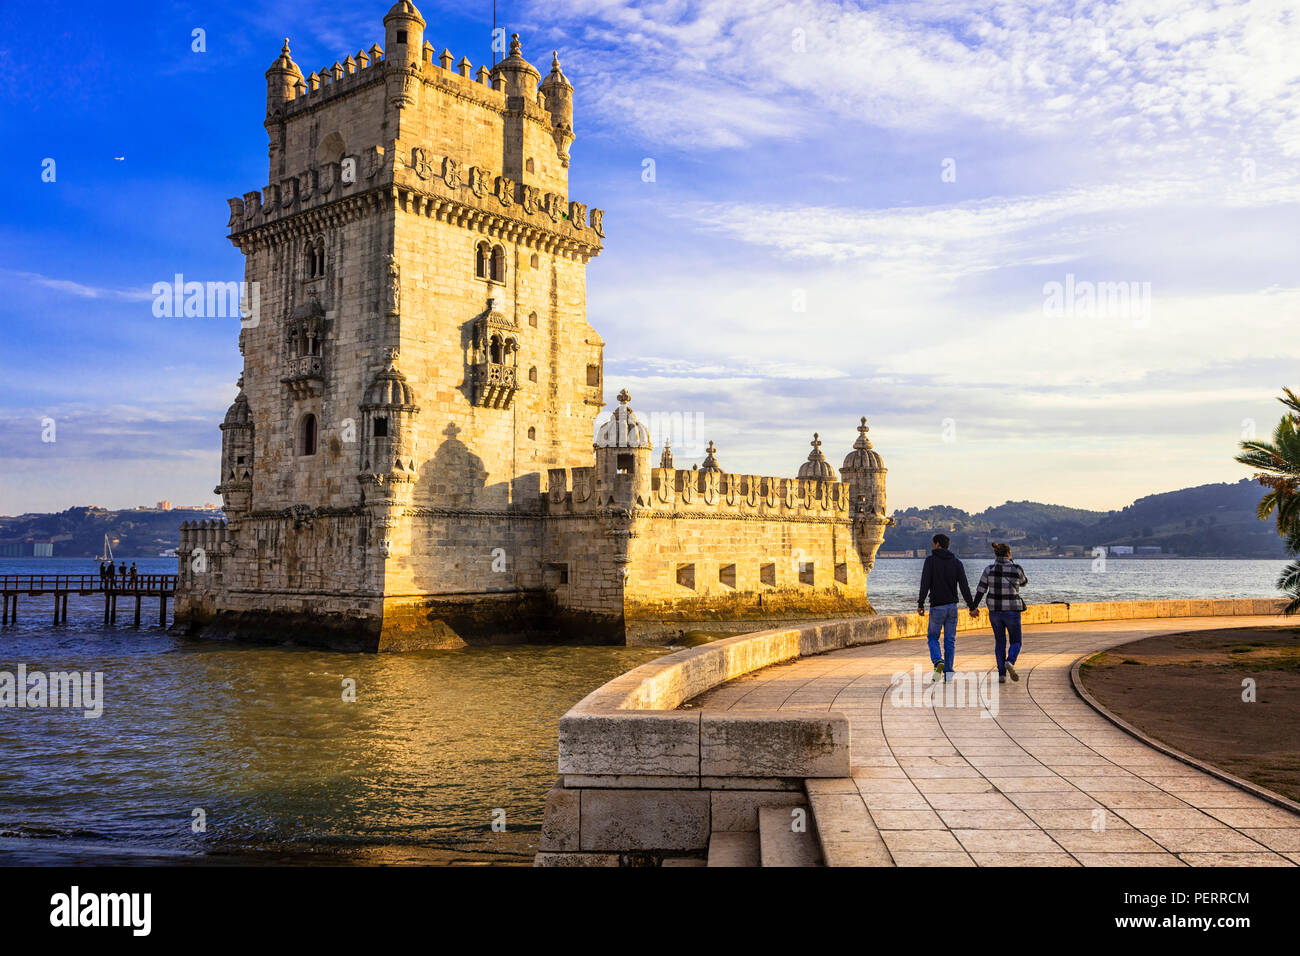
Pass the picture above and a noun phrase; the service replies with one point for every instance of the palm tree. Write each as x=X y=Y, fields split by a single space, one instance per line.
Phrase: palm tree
x=1277 y=468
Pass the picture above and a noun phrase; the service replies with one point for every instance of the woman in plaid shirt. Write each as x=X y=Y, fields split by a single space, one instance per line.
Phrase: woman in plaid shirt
x=1002 y=582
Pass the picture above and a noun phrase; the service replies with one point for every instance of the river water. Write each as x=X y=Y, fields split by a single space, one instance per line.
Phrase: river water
x=220 y=752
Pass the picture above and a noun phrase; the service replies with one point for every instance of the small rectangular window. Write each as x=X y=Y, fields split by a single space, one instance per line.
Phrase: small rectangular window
x=767 y=574
x=381 y=427
x=842 y=573
x=401 y=36
x=686 y=575
x=593 y=375
x=727 y=575
x=625 y=464
x=806 y=572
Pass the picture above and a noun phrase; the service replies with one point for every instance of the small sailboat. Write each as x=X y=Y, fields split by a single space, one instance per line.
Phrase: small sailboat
x=107 y=553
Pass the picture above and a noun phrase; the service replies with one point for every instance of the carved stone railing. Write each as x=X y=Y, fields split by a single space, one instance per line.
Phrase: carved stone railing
x=494 y=384
x=303 y=373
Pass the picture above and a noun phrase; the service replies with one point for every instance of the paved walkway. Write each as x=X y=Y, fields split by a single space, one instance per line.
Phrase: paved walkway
x=1046 y=781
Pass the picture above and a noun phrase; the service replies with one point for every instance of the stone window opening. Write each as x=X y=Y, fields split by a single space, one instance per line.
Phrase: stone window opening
x=401 y=36
x=727 y=575
x=532 y=434
x=624 y=465
x=593 y=375
x=381 y=427
x=767 y=574
x=496 y=350
x=532 y=316
x=533 y=261
x=307 y=435
x=842 y=573
x=498 y=264
x=316 y=259
x=686 y=575
x=482 y=260
x=806 y=575
x=532 y=374
x=529 y=165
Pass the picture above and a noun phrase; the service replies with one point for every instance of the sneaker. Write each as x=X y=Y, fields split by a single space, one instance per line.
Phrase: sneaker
x=1011 y=669
x=1002 y=678
x=938 y=670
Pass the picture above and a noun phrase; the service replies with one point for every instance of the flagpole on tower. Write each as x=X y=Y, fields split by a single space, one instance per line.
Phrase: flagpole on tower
x=494 y=32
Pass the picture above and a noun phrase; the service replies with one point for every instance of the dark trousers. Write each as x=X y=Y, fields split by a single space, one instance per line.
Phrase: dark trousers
x=1006 y=624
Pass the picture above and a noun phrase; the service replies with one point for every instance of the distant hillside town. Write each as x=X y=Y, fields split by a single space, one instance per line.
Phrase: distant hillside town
x=81 y=532
x=1210 y=521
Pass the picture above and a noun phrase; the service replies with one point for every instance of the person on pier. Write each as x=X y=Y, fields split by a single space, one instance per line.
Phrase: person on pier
x=111 y=575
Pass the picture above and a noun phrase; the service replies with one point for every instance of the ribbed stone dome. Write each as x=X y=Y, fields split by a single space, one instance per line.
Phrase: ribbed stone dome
x=239 y=414
x=389 y=388
x=623 y=430
x=863 y=457
x=817 y=466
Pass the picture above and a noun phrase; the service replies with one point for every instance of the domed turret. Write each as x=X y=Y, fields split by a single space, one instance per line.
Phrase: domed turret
x=403 y=34
x=817 y=467
x=236 y=487
x=711 y=459
x=282 y=80
x=388 y=389
x=623 y=429
x=865 y=474
x=558 y=94
x=520 y=76
x=238 y=414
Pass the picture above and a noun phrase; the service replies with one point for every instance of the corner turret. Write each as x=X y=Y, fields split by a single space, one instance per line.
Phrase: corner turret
x=557 y=94
x=282 y=81
x=404 y=35
x=623 y=457
x=520 y=76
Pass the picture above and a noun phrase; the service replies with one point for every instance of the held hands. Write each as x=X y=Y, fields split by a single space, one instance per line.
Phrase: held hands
x=920 y=610
x=975 y=612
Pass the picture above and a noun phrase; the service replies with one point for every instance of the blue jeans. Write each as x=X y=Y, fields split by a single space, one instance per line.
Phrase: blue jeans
x=1005 y=624
x=944 y=616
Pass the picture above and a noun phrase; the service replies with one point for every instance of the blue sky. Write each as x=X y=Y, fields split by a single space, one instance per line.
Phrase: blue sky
x=914 y=174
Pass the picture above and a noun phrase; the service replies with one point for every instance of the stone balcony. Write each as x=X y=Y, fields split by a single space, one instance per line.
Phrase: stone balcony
x=304 y=374
x=494 y=384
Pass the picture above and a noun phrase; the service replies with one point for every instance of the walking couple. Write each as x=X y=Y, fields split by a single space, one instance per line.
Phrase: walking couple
x=942 y=577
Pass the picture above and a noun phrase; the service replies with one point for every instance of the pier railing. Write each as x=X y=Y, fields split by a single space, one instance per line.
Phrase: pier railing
x=139 y=586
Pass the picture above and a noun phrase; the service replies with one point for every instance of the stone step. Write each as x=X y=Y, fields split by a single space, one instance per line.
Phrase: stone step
x=780 y=844
x=684 y=861
x=845 y=831
x=734 y=848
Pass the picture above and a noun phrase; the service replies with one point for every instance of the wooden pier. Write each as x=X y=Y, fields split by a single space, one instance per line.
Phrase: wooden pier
x=161 y=586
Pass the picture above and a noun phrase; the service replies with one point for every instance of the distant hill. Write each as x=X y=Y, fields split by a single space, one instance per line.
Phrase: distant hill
x=79 y=532
x=1206 y=521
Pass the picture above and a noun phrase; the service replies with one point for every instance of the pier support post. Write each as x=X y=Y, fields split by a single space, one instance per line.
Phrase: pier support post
x=65 y=608
x=137 y=608
x=107 y=599
x=162 y=609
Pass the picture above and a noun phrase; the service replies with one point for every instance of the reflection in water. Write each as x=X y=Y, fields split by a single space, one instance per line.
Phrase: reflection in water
x=284 y=769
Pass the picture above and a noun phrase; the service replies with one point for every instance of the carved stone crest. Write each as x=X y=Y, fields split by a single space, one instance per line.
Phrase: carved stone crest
x=479 y=181
x=420 y=162
x=578 y=215
x=552 y=205
x=329 y=177
x=505 y=190
x=598 y=222
x=530 y=200
x=451 y=172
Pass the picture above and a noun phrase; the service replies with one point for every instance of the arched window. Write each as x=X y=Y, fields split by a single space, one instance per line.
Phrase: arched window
x=532 y=319
x=529 y=165
x=498 y=264
x=532 y=433
x=533 y=261
x=532 y=374
x=307 y=436
x=496 y=350
x=482 y=260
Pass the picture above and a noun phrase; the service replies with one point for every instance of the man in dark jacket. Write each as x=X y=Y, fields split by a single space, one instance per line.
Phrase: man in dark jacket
x=941 y=578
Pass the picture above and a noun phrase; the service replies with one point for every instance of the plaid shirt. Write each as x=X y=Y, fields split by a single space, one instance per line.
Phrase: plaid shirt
x=1003 y=582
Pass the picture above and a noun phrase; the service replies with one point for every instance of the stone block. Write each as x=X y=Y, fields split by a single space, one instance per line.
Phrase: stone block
x=560 y=822
x=629 y=781
x=1223 y=607
x=629 y=820
x=773 y=745
x=631 y=742
x=738 y=809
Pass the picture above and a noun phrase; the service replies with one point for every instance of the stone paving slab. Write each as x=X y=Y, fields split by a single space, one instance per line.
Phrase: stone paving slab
x=1017 y=774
